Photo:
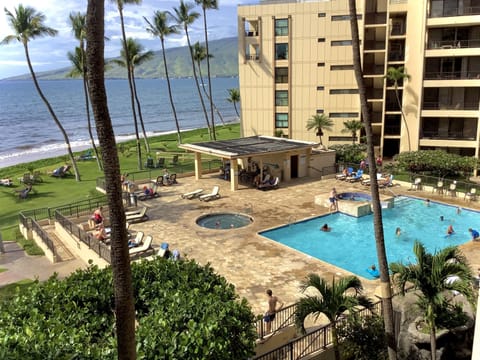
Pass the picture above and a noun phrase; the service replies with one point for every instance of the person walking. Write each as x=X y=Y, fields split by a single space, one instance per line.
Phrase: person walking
x=274 y=305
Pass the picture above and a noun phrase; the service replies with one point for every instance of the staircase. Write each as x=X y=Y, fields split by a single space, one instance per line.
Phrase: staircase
x=61 y=251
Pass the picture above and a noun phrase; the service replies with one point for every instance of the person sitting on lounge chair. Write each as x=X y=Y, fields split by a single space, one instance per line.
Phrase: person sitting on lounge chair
x=97 y=216
x=100 y=233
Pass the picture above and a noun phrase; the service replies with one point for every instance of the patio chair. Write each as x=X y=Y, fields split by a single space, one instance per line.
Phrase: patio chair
x=137 y=241
x=270 y=186
x=212 y=196
x=137 y=216
x=172 y=179
x=357 y=177
x=61 y=171
x=6 y=182
x=160 y=163
x=175 y=160
x=438 y=188
x=471 y=195
x=452 y=189
x=192 y=194
x=143 y=248
x=417 y=184
x=149 y=163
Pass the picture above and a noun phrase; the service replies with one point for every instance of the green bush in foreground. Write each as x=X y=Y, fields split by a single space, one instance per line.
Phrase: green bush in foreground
x=184 y=311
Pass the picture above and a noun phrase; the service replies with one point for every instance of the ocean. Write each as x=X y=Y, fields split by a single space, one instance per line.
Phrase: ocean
x=29 y=133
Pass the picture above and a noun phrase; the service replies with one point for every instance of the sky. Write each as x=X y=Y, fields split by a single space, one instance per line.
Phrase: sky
x=49 y=53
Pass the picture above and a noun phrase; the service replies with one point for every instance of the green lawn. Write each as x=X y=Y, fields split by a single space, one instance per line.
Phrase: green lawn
x=58 y=191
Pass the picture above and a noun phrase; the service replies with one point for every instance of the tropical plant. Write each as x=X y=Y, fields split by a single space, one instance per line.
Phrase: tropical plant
x=376 y=205
x=319 y=122
x=352 y=126
x=120 y=4
x=206 y=5
x=184 y=311
x=397 y=75
x=200 y=54
x=120 y=257
x=77 y=21
x=137 y=57
x=363 y=338
x=160 y=27
x=349 y=153
x=234 y=97
x=331 y=300
x=433 y=275
x=186 y=17
x=28 y=24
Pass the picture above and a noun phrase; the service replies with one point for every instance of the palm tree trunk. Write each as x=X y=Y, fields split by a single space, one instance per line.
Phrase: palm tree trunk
x=52 y=113
x=208 y=73
x=403 y=115
x=179 y=136
x=236 y=110
x=376 y=205
x=198 y=86
x=130 y=85
x=139 y=108
x=206 y=94
x=120 y=258
x=89 y=121
x=336 y=350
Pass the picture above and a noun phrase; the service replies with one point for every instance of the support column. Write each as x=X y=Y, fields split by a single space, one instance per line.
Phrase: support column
x=233 y=174
x=198 y=166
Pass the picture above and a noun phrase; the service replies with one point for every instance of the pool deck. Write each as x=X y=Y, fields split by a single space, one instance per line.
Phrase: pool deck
x=250 y=262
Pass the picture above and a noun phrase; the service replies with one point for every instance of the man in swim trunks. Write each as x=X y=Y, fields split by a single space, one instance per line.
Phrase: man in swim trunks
x=333 y=200
x=475 y=234
x=272 y=309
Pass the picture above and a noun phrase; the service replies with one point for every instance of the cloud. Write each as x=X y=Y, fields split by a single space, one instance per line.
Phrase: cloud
x=50 y=53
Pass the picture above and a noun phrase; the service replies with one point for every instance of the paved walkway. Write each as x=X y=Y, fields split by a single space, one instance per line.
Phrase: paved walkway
x=247 y=260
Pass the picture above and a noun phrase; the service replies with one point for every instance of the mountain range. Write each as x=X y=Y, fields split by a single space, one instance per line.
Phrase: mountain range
x=224 y=63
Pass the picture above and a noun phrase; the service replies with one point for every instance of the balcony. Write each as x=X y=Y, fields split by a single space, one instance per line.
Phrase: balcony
x=452 y=11
x=452 y=75
x=251 y=33
x=252 y=57
x=374 y=94
x=453 y=44
x=374 y=45
x=375 y=18
x=445 y=135
x=438 y=105
x=374 y=70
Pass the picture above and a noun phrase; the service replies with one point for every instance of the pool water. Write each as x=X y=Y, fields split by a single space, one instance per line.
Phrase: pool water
x=223 y=221
x=351 y=242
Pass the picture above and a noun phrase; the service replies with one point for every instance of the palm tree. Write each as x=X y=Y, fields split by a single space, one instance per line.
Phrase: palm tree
x=27 y=24
x=200 y=54
x=208 y=4
x=376 y=205
x=185 y=17
x=333 y=302
x=77 y=20
x=161 y=28
x=395 y=75
x=137 y=56
x=352 y=126
x=234 y=97
x=120 y=4
x=319 y=122
x=431 y=274
x=120 y=258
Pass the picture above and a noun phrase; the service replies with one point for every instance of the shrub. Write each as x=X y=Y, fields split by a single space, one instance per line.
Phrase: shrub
x=349 y=153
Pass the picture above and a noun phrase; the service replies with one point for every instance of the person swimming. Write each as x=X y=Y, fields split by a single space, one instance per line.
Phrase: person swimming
x=325 y=228
x=398 y=231
x=450 y=230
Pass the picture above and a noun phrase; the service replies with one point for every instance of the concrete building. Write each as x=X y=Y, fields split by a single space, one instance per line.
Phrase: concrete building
x=295 y=61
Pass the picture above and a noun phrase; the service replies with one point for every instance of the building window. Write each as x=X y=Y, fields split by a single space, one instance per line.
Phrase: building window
x=344 y=115
x=320 y=88
x=322 y=14
x=281 y=27
x=344 y=17
x=281 y=98
x=341 y=42
x=321 y=40
x=281 y=75
x=343 y=91
x=281 y=51
x=281 y=120
x=341 y=67
x=320 y=64
x=320 y=111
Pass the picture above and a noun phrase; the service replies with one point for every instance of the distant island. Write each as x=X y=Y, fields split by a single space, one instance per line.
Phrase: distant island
x=223 y=64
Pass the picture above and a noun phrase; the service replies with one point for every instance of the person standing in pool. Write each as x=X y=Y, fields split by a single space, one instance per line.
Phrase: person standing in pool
x=475 y=234
x=274 y=305
x=450 y=230
x=333 y=200
x=325 y=228
x=398 y=231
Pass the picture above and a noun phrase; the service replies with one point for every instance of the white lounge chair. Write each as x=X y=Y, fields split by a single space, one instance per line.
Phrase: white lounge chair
x=137 y=216
x=137 y=241
x=146 y=246
x=213 y=195
x=471 y=195
x=192 y=194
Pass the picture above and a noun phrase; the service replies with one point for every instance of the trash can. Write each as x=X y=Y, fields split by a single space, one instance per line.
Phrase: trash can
x=133 y=199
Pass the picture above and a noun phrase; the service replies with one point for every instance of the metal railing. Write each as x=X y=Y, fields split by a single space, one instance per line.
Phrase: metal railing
x=283 y=318
x=453 y=44
x=452 y=75
x=450 y=135
x=43 y=235
x=440 y=105
x=460 y=11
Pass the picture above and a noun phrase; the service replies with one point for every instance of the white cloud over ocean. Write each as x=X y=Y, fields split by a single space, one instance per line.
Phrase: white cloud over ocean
x=50 y=53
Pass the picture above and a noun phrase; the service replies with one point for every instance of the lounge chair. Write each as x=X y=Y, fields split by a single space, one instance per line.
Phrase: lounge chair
x=172 y=179
x=137 y=216
x=269 y=186
x=192 y=194
x=471 y=195
x=141 y=195
x=6 y=182
x=61 y=171
x=367 y=182
x=137 y=241
x=343 y=176
x=88 y=155
x=357 y=177
x=143 y=248
x=213 y=195
x=160 y=163
x=417 y=184
x=438 y=188
x=385 y=182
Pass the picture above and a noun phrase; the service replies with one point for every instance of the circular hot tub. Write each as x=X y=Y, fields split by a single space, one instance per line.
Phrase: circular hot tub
x=223 y=221
x=354 y=196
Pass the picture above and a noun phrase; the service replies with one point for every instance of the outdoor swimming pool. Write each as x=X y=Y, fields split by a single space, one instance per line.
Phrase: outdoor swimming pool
x=351 y=243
